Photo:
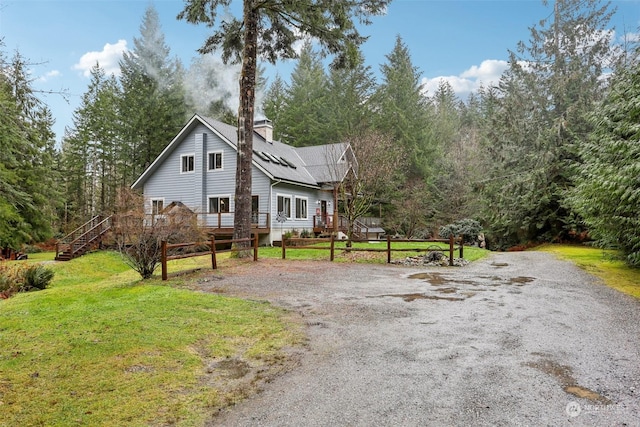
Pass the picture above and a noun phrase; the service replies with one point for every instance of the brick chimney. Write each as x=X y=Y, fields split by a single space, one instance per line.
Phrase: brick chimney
x=264 y=128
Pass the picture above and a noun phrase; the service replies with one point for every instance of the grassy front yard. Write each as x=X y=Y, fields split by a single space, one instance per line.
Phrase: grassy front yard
x=101 y=347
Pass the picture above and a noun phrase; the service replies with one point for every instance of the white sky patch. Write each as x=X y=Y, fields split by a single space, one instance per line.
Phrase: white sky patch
x=486 y=74
x=49 y=75
x=108 y=59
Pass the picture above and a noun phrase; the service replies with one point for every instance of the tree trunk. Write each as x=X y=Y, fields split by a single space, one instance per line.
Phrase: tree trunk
x=242 y=212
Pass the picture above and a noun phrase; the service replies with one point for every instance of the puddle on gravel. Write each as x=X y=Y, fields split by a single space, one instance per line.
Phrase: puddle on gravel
x=499 y=264
x=435 y=279
x=564 y=374
x=521 y=280
x=415 y=296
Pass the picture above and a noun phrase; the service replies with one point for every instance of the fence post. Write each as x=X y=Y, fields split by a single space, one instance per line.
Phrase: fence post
x=214 y=261
x=255 y=247
x=451 y=241
x=163 y=256
x=461 y=246
x=332 y=247
x=388 y=249
x=284 y=251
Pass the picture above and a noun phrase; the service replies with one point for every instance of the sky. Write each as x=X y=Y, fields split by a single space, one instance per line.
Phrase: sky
x=465 y=42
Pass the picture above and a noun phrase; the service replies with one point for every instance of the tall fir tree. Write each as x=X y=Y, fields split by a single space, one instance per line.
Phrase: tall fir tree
x=304 y=120
x=550 y=86
x=269 y=30
x=152 y=106
x=402 y=111
x=607 y=194
x=28 y=194
x=348 y=113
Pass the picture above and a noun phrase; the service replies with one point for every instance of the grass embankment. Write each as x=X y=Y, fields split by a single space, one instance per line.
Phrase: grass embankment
x=608 y=265
x=101 y=347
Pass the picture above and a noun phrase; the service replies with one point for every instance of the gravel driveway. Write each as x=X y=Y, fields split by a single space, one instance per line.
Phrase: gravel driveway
x=515 y=339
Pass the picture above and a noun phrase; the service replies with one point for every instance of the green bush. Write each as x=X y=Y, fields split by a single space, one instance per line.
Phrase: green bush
x=18 y=277
x=36 y=277
x=467 y=227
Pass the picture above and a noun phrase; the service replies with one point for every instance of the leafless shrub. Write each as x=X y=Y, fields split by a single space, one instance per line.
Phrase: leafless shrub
x=139 y=235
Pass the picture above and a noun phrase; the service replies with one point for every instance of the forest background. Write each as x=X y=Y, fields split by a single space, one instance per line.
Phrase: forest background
x=550 y=153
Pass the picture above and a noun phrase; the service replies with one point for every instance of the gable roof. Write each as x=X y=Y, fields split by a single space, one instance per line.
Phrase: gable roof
x=308 y=166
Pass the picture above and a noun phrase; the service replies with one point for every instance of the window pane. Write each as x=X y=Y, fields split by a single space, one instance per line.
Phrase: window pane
x=224 y=204
x=213 y=205
x=218 y=160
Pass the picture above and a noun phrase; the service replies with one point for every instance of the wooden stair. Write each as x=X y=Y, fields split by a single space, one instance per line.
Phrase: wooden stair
x=83 y=239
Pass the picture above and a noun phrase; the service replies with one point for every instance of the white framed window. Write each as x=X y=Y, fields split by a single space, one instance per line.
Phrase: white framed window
x=284 y=205
x=219 y=204
x=214 y=160
x=157 y=206
x=187 y=163
x=301 y=207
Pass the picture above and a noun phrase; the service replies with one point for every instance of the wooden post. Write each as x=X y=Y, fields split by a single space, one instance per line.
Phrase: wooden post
x=461 y=246
x=255 y=247
x=332 y=247
x=451 y=242
x=284 y=251
x=388 y=249
x=214 y=262
x=163 y=256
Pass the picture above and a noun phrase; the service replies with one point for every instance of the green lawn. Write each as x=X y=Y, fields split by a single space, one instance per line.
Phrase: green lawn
x=101 y=347
x=605 y=264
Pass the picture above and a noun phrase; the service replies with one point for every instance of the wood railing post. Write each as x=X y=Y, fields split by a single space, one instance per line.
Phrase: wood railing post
x=163 y=257
x=333 y=244
x=388 y=249
x=451 y=242
x=461 y=247
x=214 y=263
x=284 y=251
x=255 y=247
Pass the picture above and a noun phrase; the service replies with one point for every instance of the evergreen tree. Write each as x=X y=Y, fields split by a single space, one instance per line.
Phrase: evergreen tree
x=152 y=107
x=28 y=196
x=304 y=120
x=92 y=151
x=550 y=86
x=403 y=112
x=348 y=113
x=269 y=30
x=274 y=105
x=607 y=194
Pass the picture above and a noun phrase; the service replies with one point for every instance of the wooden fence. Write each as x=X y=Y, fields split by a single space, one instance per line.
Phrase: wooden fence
x=451 y=241
x=212 y=251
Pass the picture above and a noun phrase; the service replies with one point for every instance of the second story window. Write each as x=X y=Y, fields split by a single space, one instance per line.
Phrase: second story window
x=188 y=163
x=215 y=160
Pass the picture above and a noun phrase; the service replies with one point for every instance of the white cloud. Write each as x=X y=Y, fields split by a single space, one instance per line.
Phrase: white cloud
x=49 y=75
x=488 y=73
x=108 y=59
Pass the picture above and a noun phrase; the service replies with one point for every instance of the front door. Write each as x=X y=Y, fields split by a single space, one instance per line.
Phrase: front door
x=255 y=216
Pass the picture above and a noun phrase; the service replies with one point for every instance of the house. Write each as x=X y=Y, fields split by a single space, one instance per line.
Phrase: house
x=292 y=188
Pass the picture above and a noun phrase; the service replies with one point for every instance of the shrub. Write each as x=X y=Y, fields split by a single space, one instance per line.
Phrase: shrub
x=23 y=278
x=36 y=277
x=468 y=228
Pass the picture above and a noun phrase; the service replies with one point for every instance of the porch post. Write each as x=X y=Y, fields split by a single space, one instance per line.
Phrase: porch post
x=335 y=207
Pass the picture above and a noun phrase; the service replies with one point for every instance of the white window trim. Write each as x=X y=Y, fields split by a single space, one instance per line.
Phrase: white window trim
x=291 y=207
x=156 y=199
x=295 y=201
x=209 y=168
x=182 y=160
x=219 y=196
